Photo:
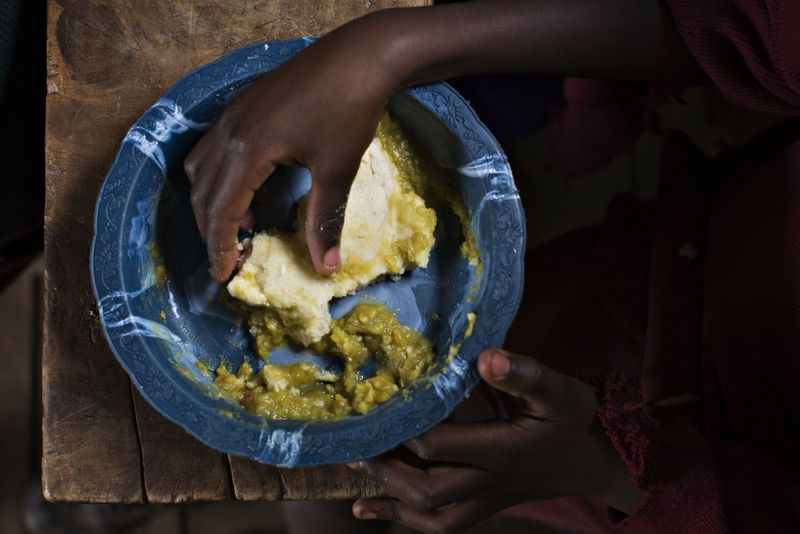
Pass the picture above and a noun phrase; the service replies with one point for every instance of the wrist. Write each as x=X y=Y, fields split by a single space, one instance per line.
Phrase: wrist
x=618 y=489
x=393 y=37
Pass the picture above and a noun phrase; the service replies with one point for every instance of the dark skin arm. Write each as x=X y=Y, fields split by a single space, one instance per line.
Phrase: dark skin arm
x=320 y=109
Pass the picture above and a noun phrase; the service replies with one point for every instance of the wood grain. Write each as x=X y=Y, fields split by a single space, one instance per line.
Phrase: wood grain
x=254 y=481
x=108 y=60
x=177 y=468
x=90 y=446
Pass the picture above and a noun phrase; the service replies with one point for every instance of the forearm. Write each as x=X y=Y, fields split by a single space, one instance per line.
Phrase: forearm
x=613 y=39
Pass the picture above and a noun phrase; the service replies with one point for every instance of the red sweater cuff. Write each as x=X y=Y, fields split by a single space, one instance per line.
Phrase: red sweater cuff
x=667 y=459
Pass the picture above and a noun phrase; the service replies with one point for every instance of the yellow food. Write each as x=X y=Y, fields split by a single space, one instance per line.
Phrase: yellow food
x=387 y=229
x=418 y=168
x=304 y=391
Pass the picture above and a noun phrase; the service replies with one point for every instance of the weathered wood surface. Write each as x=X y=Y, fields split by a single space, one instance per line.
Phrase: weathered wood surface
x=108 y=60
x=177 y=468
x=253 y=481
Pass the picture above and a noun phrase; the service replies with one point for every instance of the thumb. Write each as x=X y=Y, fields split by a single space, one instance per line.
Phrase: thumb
x=523 y=376
x=325 y=214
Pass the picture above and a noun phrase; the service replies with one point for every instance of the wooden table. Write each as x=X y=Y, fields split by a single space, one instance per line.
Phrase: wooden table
x=107 y=61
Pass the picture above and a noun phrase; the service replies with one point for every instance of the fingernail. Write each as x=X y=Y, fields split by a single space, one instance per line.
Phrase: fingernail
x=331 y=258
x=361 y=513
x=354 y=465
x=499 y=365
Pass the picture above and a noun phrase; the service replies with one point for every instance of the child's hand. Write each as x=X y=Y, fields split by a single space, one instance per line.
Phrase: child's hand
x=552 y=447
x=318 y=110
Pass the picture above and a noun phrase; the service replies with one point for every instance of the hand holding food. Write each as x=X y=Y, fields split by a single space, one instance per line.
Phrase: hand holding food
x=318 y=111
x=388 y=228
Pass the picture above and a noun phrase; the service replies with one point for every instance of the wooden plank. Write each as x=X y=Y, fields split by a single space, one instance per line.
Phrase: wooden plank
x=107 y=62
x=90 y=447
x=177 y=468
x=254 y=481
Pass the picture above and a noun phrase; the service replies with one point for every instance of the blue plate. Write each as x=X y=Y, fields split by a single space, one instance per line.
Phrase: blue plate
x=166 y=334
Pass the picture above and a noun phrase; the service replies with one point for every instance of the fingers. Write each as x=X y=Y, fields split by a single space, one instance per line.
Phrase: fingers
x=223 y=185
x=202 y=168
x=452 y=518
x=466 y=443
x=325 y=214
x=195 y=158
x=517 y=375
x=248 y=221
x=424 y=489
x=226 y=209
x=223 y=182
x=549 y=392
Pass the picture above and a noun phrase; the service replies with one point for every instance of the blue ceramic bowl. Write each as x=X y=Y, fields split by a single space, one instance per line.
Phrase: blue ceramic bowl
x=165 y=333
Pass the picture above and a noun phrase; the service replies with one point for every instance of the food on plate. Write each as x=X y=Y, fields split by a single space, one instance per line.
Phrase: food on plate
x=305 y=391
x=388 y=229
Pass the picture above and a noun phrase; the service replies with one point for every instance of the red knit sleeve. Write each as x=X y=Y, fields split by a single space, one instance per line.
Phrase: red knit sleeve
x=690 y=484
x=749 y=48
